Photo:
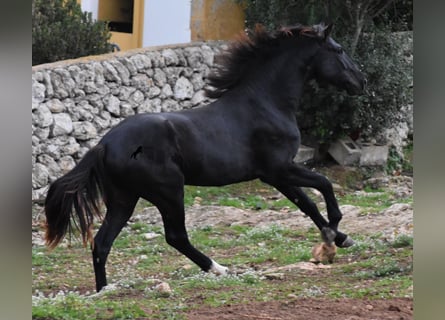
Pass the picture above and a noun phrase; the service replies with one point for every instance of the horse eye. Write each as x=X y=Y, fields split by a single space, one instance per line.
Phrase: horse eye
x=339 y=50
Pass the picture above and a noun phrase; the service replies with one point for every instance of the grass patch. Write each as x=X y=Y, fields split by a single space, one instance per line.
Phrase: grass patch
x=372 y=201
x=73 y=306
x=253 y=195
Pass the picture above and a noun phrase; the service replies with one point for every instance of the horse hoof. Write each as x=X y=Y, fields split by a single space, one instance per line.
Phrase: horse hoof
x=347 y=243
x=328 y=235
x=218 y=269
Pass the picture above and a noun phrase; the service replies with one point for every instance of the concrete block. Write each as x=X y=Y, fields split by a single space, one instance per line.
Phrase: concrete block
x=304 y=154
x=345 y=151
x=373 y=155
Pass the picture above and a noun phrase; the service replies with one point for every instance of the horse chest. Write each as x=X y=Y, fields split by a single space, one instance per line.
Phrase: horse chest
x=276 y=139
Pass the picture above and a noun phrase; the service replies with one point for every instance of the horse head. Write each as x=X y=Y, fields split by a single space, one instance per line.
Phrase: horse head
x=331 y=64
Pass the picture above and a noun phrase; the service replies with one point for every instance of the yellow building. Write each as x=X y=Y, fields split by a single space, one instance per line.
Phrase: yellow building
x=143 y=23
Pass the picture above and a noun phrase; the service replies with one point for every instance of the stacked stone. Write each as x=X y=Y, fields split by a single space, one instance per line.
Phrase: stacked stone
x=74 y=103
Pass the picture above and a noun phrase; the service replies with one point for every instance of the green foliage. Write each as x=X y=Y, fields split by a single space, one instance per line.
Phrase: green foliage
x=325 y=114
x=75 y=306
x=60 y=30
x=389 y=76
x=403 y=241
x=273 y=13
x=398 y=162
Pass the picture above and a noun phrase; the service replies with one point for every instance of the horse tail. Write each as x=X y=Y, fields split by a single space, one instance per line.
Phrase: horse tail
x=74 y=199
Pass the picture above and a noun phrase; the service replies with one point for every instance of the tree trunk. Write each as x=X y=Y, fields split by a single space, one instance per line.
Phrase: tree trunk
x=356 y=36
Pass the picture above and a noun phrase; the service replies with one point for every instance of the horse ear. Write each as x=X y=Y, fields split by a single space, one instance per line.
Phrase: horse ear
x=327 y=30
x=318 y=31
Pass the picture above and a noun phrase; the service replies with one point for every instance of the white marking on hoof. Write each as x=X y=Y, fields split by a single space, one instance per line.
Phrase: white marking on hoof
x=218 y=269
x=347 y=243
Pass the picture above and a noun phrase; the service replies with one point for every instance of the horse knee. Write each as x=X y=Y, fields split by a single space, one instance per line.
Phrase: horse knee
x=100 y=254
x=177 y=240
x=325 y=185
x=308 y=207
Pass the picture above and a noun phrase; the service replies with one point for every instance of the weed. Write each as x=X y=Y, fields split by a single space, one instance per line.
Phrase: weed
x=403 y=241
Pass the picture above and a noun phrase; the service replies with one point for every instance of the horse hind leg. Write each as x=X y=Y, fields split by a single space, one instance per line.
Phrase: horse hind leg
x=119 y=210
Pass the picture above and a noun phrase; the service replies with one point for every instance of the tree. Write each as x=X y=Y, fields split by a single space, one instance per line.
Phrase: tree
x=60 y=30
x=344 y=13
x=359 y=12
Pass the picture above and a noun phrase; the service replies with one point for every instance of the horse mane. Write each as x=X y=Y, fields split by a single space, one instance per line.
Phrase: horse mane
x=246 y=48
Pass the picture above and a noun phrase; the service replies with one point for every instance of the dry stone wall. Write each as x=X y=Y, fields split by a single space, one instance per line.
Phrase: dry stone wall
x=75 y=102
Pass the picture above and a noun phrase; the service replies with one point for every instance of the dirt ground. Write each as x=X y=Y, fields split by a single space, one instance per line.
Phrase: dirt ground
x=311 y=308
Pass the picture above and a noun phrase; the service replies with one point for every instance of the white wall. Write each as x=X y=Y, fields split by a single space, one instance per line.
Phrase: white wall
x=166 y=22
x=90 y=6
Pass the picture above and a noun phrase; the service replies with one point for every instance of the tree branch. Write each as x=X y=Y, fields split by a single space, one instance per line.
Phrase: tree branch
x=376 y=11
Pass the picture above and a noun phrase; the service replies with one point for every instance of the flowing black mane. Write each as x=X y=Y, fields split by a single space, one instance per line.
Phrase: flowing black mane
x=247 y=48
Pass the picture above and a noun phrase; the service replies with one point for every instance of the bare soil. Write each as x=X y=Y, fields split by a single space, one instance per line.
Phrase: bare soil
x=311 y=308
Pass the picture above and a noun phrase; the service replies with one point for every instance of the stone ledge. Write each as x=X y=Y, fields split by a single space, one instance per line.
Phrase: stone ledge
x=345 y=151
x=304 y=154
x=348 y=153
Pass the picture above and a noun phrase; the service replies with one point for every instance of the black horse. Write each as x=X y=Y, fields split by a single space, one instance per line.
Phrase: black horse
x=249 y=132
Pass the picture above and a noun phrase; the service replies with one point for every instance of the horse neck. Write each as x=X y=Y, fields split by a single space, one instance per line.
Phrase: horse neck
x=280 y=81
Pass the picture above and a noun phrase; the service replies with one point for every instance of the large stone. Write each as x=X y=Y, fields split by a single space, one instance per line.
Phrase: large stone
x=141 y=82
x=183 y=89
x=159 y=77
x=141 y=61
x=110 y=73
x=55 y=106
x=71 y=147
x=194 y=57
x=125 y=92
x=112 y=105
x=166 y=91
x=126 y=109
x=129 y=65
x=84 y=130
x=207 y=55
x=62 y=124
x=304 y=154
x=40 y=176
x=136 y=98
x=43 y=116
x=38 y=94
x=66 y=164
x=51 y=166
x=373 y=155
x=170 y=57
x=154 y=92
x=198 y=98
x=58 y=85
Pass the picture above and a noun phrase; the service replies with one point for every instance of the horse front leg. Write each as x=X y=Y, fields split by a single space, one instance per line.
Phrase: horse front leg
x=171 y=206
x=289 y=183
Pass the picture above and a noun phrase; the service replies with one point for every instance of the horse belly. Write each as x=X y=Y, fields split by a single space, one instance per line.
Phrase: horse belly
x=218 y=168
